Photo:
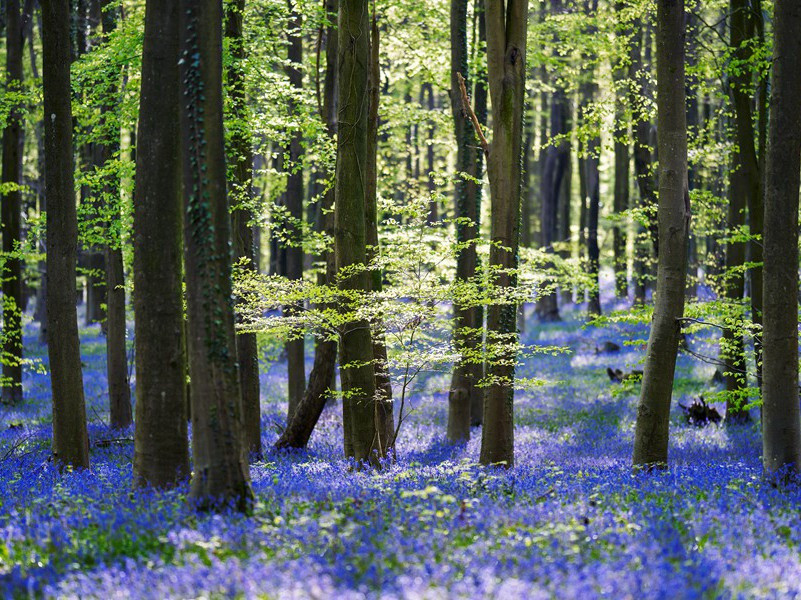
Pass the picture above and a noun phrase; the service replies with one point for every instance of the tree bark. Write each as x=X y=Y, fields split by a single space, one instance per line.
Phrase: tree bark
x=781 y=421
x=643 y=168
x=296 y=357
x=356 y=349
x=70 y=441
x=622 y=162
x=384 y=417
x=241 y=153
x=161 y=447
x=11 y=215
x=506 y=73
x=221 y=476
x=651 y=433
x=468 y=329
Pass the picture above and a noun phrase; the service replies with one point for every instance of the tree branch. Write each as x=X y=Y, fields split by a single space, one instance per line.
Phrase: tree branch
x=471 y=113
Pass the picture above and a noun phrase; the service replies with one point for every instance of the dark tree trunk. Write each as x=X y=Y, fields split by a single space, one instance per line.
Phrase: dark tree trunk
x=241 y=153
x=220 y=477
x=296 y=358
x=744 y=192
x=321 y=378
x=506 y=73
x=622 y=161
x=356 y=349
x=468 y=328
x=11 y=215
x=781 y=421
x=384 y=417
x=651 y=433
x=119 y=391
x=643 y=169
x=161 y=448
x=70 y=441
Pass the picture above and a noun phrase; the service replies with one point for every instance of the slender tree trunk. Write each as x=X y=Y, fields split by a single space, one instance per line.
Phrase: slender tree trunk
x=11 y=215
x=161 y=448
x=622 y=161
x=781 y=421
x=651 y=433
x=70 y=441
x=756 y=211
x=321 y=379
x=468 y=329
x=296 y=357
x=643 y=168
x=220 y=477
x=356 y=349
x=384 y=418
x=506 y=73
x=594 y=195
x=241 y=153
x=119 y=391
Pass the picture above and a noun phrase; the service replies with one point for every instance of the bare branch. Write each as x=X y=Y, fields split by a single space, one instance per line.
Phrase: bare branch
x=471 y=113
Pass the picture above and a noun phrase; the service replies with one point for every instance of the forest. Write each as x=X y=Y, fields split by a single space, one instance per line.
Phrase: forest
x=384 y=299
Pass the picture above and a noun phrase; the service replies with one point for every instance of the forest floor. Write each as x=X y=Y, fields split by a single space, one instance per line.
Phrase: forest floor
x=571 y=520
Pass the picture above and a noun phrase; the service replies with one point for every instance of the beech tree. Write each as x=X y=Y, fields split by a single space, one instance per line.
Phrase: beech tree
x=506 y=73
x=221 y=475
x=70 y=440
x=781 y=421
x=296 y=360
x=241 y=216
x=465 y=397
x=356 y=347
x=161 y=448
x=651 y=433
x=11 y=213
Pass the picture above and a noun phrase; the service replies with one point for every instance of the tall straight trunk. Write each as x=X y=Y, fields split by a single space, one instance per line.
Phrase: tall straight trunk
x=592 y=180
x=744 y=192
x=622 y=161
x=384 y=418
x=594 y=195
x=564 y=197
x=241 y=152
x=642 y=159
x=651 y=433
x=220 y=477
x=70 y=441
x=119 y=390
x=756 y=212
x=781 y=421
x=161 y=447
x=11 y=215
x=356 y=348
x=506 y=73
x=321 y=379
x=296 y=357
x=468 y=328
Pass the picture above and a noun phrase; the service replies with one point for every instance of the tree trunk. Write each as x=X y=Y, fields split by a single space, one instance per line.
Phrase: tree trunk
x=11 y=215
x=781 y=421
x=622 y=161
x=70 y=441
x=119 y=391
x=468 y=328
x=220 y=477
x=161 y=448
x=295 y=353
x=241 y=154
x=321 y=379
x=506 y=73
x=642 y=161
x=356 y=349
x=651 y=433
x=384 y=417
